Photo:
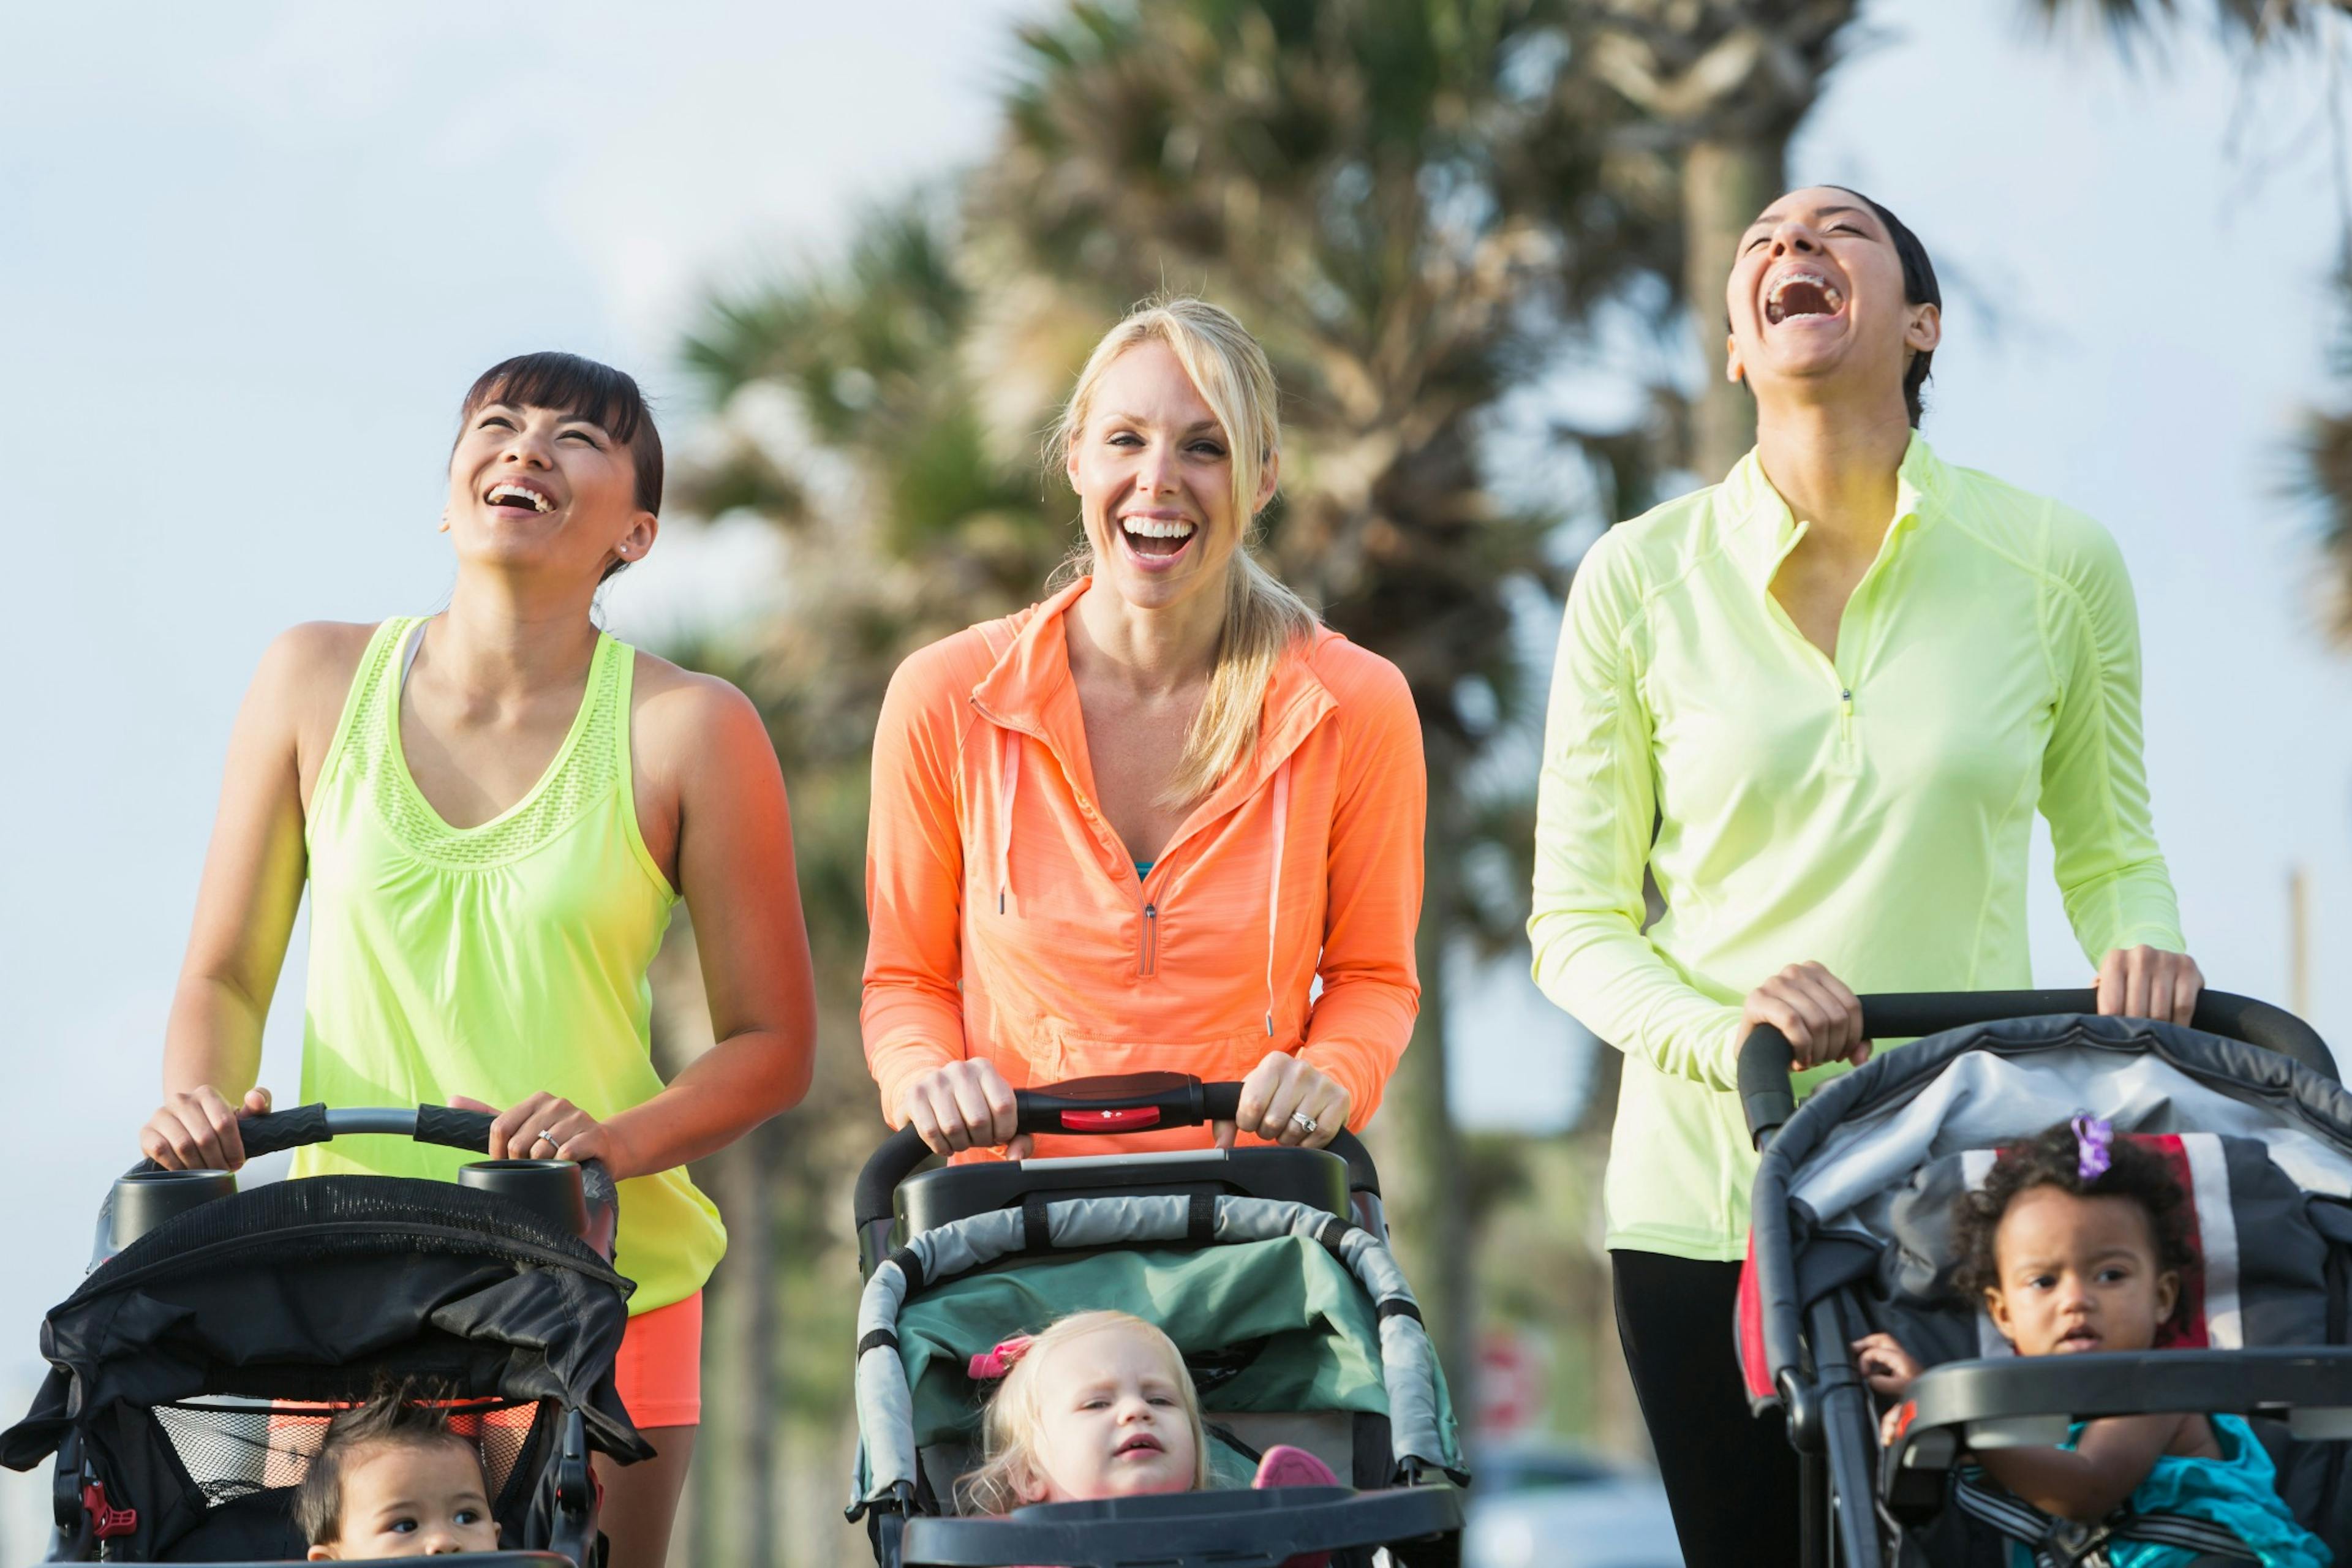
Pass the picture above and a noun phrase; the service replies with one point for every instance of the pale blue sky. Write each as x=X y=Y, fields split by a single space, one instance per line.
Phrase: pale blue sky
x=250 y=256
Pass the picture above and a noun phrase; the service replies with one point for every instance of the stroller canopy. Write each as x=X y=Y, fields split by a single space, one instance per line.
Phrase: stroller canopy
x=1859 y=1185
x=173 y=1365
x=1317 y=1310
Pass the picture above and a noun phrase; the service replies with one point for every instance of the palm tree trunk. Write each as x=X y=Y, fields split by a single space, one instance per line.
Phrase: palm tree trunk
x=1423 y=1177
x=1725 y=183
x=747 y=1351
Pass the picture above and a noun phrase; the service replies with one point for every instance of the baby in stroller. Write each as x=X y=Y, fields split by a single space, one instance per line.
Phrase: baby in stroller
x=393 y=1479
x=1861 y=1225
x=2077 y=1242
x=1281 y=1315
x=1100 y=1405
x=218 y=1383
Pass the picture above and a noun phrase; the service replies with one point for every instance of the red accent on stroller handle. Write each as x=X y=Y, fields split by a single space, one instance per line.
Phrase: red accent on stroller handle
x=1123 y=1103
x=1129 y=1121
x=1765 y=1057
x=1093 y=1105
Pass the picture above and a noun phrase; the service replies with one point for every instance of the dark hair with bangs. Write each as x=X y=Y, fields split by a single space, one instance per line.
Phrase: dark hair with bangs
x=397 y=1417
x=1920 y=287
x=606 y=397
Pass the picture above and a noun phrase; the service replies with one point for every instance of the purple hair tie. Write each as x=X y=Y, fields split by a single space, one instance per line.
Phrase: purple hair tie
x=2094 y=1138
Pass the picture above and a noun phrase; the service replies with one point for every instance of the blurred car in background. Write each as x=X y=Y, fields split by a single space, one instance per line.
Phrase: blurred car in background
x=1546 y=1505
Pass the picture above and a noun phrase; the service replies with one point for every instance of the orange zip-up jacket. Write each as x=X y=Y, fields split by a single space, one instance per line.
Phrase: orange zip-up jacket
x=1008 y=922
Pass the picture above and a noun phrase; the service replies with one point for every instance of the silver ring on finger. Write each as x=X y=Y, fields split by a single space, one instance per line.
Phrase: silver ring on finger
x=1304 y=1123
x=547 y=1138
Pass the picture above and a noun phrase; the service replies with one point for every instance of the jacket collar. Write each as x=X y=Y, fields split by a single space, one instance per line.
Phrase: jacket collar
x=1029 y=688
x=1759 y=530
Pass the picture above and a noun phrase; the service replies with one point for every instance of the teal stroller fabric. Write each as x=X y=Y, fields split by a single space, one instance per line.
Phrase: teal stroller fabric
x=1311 y=1314
x=1322 y=1351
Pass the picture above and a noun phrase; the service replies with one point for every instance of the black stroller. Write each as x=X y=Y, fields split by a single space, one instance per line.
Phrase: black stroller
x=193 y=1372
x=1852 y=1234
x=1269 y=1268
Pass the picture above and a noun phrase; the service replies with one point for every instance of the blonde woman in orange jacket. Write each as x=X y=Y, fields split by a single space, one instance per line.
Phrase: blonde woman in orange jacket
x=1130 y=827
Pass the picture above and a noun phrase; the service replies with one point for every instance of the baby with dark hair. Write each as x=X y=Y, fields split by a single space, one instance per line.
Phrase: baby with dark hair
x=393 y=1479
x=2079 y=1241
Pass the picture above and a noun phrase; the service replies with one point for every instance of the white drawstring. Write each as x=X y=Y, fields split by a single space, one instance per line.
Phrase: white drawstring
x=1009 y=741
x=1274 y=884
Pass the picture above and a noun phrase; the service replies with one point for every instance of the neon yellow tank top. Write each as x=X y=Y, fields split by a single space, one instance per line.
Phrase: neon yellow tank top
x=495 y=961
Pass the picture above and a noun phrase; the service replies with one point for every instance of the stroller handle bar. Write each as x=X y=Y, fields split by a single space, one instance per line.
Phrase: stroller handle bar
x=1765 y=1057
x=447 y=1125
x=1125 y=1102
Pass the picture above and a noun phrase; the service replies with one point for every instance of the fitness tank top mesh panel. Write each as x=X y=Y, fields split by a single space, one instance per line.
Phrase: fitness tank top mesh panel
x=495 y=961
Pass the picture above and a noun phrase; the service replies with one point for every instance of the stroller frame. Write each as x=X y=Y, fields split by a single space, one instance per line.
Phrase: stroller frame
x=1990 y=1403
x=85 y=1518
x=954 y=1221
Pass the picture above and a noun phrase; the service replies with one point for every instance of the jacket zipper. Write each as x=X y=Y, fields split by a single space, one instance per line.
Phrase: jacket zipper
x=1148 y=960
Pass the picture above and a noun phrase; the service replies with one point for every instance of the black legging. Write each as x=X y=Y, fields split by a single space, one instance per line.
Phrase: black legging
x=1730 y=1479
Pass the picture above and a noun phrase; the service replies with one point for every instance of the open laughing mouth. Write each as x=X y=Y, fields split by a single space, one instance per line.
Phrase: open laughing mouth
x=518 y=497
x=1801 y=294
x=1157 y=538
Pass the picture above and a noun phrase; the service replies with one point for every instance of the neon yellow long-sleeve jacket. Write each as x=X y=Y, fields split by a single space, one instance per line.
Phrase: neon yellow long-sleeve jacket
x=1870 y=813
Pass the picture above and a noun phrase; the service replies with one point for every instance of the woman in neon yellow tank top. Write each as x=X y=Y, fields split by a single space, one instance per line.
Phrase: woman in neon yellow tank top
x=495 y=810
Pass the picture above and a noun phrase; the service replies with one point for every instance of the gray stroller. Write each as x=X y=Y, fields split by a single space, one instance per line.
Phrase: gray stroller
x=1852 y=1234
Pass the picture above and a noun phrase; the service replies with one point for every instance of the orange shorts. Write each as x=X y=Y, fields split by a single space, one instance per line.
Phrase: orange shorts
x=659 y=1369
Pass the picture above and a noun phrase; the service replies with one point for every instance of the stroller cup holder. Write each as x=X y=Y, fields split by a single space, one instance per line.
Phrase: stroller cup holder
x=580 y=1199
x=141 y=1200
x=549 y=1188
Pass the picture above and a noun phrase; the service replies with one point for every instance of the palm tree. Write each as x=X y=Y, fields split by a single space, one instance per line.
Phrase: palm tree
x=2323 y=449
x=2253 y=22
x=844 y=415
x=2323 y=454
x=1418 y=204
x=1720 y=86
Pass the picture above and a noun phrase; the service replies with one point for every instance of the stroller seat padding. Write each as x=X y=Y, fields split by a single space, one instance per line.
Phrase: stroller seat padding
x=2262 y=1274
x=1322 y=1340
x=1306 y=1314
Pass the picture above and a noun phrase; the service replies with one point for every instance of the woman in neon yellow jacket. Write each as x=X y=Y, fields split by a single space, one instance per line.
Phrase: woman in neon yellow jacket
x=495 y=810
x=1837 y=686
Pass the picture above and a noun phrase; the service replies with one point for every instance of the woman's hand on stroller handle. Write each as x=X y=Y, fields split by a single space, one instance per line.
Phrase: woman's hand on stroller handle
x=196 y=1130
x=1814 y=1011
x=1289 y=1101
x=2146 y=982
x=549 y=1127
x=965 y=1105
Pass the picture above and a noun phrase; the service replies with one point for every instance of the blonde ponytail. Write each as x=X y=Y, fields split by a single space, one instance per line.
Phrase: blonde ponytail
x=1264 y=619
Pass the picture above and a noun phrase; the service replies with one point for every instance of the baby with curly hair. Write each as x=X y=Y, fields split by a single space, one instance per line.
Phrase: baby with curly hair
x=2080 y=1241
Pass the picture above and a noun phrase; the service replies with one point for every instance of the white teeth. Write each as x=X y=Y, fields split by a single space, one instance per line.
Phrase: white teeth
x=1773 y=300
x=1154 y=528
x=501 y=495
